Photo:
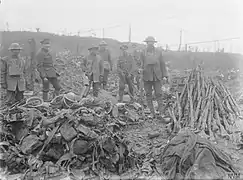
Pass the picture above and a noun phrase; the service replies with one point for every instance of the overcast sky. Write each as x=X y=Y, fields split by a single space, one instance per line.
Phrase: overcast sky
x=201 y=20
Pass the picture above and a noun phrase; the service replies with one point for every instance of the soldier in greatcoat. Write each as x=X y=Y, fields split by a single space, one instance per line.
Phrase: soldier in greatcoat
x=94 y=69
x=12 y=75
x=45 y=66
x=125 y=68
x=154 y=73
x=106 y=56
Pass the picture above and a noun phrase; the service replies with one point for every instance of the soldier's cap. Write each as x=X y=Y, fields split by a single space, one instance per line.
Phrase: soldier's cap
x=103 y=43
x=31 y=39
x=45 y=41
x=93 y=47
x=124 y=46
x=150 y=39
x=15 y=46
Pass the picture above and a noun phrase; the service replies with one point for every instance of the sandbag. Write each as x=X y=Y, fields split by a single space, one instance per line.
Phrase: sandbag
x=190 y=156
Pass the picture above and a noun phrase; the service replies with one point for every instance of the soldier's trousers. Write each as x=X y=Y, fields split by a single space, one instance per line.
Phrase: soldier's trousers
x=105 y=78
x=46 y=87
x=124 y=79
x=149 y=86
x=14 y=96
x=95 y=85
x=137 y=81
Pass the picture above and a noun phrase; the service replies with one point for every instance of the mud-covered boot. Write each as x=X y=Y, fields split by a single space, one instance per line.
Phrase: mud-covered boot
x=105 y=87
x=55 y=94
x=161 y=109
x=151 y=108
x=120 y=98
x=45 y=96
x=121 y=93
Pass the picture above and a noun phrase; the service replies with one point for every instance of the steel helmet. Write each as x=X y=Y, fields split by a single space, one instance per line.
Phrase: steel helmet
x=150 y=39
x=70 y=96
x=103 y=43
x=93 y=47
x=45 y=41
x=124 y=46
x=14 y=46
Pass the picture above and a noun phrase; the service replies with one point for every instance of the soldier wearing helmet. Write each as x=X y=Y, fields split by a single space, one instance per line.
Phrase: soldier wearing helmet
x=12 y=75
x=106 y=56
x=154 y=71
x=94 y=68
x=125 y=68
x=46 y=69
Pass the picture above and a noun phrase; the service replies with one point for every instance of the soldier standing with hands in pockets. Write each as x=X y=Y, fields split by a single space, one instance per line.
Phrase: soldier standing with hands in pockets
x=106 y=57
x=94 y=67
x=12 y=75
x=45 y=66
x=125 y=68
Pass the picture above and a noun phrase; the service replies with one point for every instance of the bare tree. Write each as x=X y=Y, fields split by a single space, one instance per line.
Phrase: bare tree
x=37 y=29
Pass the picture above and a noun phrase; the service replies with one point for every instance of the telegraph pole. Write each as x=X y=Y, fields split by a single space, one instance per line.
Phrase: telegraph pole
x=103 y=33
x=180 y=40
x=130 y=32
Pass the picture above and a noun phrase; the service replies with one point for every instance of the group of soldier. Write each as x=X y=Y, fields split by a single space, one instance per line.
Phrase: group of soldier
x=96 y=66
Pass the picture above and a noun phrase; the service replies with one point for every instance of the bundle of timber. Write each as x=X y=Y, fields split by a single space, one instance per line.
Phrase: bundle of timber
x=206 y=106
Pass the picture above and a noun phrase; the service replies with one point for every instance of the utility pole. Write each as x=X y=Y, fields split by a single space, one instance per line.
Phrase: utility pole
x=186 y=47
x=130 y=32
x=180 y=40
x=7 y=26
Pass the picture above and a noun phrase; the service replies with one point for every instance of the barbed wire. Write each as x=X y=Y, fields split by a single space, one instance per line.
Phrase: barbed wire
x=205 y=42
x=98 y=29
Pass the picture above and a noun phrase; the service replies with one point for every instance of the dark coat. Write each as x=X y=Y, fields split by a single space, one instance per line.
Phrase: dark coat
x=153 y=66
x=45 y=64
x=94 y=66
x=106 y=56
x=12 y=73
x=125 y=64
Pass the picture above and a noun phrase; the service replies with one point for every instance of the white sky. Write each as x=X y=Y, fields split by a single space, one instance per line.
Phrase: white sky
x=201 y=20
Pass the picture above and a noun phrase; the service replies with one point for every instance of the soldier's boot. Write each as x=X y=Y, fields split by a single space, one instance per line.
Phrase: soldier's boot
x=151 y=107
x=56 y=93
x=10 y=98
x=160 y=105
x=19 y=96
x=96 y=86
x=45 y=96
x=121 y=93
x=105 y=86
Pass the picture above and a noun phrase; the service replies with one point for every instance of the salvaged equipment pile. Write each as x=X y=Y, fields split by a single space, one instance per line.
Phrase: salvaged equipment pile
x=206 y=106
x=42 y=139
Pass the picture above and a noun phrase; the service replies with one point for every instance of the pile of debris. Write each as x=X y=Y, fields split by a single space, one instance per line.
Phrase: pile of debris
x=206 y=106
x=41 y=139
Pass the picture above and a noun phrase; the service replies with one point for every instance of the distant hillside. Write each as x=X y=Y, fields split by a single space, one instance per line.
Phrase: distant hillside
x=59 y=43
x=178 y=60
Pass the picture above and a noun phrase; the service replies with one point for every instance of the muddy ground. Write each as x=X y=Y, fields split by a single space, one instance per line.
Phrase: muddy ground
x=143 y=144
